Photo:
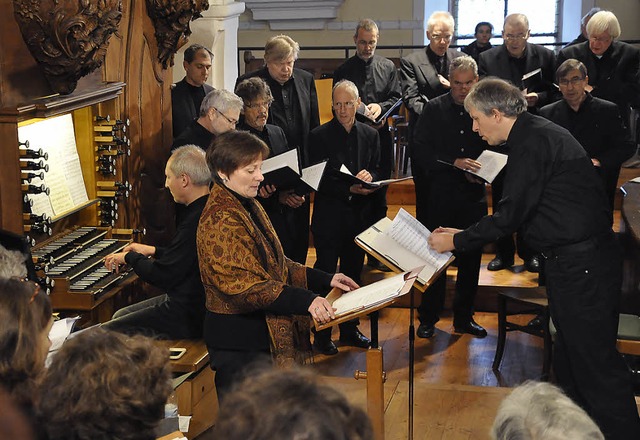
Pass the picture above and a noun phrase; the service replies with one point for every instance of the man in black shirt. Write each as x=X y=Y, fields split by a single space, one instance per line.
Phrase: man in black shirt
x=219 y=113
x=377 y=80
x=553 y=194
x=187 y=95
x=178 y=314
x=594 y=122
x=445 y=145
x=295 y=110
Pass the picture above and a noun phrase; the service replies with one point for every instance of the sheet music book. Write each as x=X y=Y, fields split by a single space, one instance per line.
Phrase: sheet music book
x=402 y=244
x=492 y=163
x=345 y=174
x=311 y=178
x=282 y=169
x=531 y=79
x=364 y=117
x=366 y=299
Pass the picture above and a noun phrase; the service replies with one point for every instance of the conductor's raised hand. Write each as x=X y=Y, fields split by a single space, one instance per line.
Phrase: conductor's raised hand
x=321 y=310
x=343 y=282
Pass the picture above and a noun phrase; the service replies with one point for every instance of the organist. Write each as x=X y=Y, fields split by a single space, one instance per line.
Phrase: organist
x=178 y=314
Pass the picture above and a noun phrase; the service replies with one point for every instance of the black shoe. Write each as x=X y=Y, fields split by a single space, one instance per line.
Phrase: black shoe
x=326 y=347
x=355 y=339
x=533 y=264
x=499 y=263
x=471 y=327
x=536 y=323
x=425 y=331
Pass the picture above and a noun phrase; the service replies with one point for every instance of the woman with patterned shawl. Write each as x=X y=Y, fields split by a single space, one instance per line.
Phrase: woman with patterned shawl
x=258 y=301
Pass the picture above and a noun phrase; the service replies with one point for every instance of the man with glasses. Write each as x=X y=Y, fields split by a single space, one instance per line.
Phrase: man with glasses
x=424 y=76
x=219 y=113
x=377 y=80
x=594 y=122
x=187 y=95
x=295 y=110
x=511 y=61
x=613 y=66
x=279 y=205
x=342 y=210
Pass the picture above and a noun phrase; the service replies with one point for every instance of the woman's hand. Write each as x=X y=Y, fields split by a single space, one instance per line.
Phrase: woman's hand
x=321 y=310
x=343 y=282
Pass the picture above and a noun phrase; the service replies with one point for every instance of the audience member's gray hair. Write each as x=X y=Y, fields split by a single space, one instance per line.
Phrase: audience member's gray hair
x=280 y=48
x=464 y=64
x=515 y=19
x=493 y=93
x=368 y=25
x=541 y=411
x=589 y=14
x=569 y=65
x=604 y=21
x=192 y=161
x=440 y=17
x=221 y=99
x=346 y=84
x=12 y=263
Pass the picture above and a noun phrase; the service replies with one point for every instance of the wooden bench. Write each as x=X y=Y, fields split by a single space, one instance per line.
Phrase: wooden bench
x=196 y=396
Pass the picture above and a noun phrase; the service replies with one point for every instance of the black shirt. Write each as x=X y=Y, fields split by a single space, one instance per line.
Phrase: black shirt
x=194 y=134
x=285 y=110
x=474 y=51
x=551 y=190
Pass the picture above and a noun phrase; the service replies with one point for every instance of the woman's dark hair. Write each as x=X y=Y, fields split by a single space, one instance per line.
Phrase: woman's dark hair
x=104 y=385
x=233 y=150
x=25 y=312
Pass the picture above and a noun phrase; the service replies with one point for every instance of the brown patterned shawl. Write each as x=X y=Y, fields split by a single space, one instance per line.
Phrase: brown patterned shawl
x=243 y=272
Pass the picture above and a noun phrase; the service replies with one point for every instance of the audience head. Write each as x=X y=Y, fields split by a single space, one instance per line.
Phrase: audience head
x=186 y=174
x=572 y=79
x=257 y=98
x=483 y=33
x=220 y=110
x=280 y=53
x=540 y=411
x=25 y=321
x=366 y=38
x=494 y=104
x=105 y=385
x=14 y=424
x=12 y=263
x=440 y=27
x=515 y=34
x=585 y=20
x=197 y=64
x=289 y=405
x=603 y=29
x=345 y=101
x=234 y=160
x=463 y=74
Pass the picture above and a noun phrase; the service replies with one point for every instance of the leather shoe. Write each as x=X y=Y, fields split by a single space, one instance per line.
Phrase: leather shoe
x=354 y=338
x=326 y=347
x=425 y=331
x=471 y=327
x=533 y=264
x=498 y=263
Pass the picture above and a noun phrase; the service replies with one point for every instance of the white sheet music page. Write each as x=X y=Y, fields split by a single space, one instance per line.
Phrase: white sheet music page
x=312 y=175
x=370 y=295
x=492 y=163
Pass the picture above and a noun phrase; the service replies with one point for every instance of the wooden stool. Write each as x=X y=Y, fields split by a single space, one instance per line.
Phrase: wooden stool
x=196 y=396
x=530 y=300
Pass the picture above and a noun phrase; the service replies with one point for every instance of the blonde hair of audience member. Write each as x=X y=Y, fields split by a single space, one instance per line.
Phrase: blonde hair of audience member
x=541 y=411
x=25 y=321
x=103 y=385
x=12 y=263
x=604 y=21
x=289 y=404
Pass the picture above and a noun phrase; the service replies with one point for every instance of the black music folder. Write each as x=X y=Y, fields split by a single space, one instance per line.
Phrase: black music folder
x=492 y=163
x=346 y=175
x=362 y=116
x=281 y=170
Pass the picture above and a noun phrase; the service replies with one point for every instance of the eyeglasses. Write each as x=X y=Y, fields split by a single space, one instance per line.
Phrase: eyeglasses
x=444 y=38
x=600 y=39
x=573 y=81
x=516 y=37
x=265 y=104
x=231 y=121
x=348 y=104
x=372 y=43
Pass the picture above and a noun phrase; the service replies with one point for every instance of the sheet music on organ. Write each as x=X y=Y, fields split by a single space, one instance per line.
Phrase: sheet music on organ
x=403 y=243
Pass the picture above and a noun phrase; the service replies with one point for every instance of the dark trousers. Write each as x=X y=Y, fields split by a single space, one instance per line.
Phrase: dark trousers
x=584 y=293
x=233 y=366
x=159 y=317
x=292 y=227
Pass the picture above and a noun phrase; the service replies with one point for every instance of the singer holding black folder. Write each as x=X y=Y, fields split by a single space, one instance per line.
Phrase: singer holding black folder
x=553 y=194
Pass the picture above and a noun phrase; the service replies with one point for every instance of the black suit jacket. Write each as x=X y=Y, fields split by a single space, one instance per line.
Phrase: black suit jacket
x=333 y=198
x=495 y=62
x=182 y=108
x=615 y=77
x=420 y=81
x=307 y=98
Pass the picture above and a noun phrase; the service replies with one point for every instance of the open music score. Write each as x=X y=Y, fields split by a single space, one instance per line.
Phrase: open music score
x=401 y=245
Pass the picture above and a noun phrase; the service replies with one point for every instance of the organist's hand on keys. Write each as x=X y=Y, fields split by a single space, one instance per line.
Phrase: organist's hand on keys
x=114 y=261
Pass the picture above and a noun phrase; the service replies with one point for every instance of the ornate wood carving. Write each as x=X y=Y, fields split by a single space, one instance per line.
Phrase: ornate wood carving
x=68 y=38
x=171 y=20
